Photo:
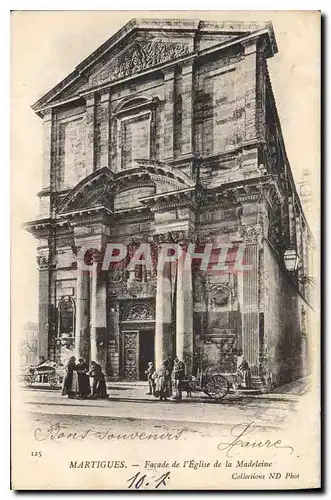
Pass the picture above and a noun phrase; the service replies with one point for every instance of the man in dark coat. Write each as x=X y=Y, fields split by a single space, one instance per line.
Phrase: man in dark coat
x=179 y=375
x=245 y=372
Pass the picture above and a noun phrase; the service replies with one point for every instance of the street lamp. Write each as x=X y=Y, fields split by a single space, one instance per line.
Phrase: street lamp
x=291 y=259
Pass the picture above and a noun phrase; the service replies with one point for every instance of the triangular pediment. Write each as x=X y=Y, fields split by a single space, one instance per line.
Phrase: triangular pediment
x=143 y=44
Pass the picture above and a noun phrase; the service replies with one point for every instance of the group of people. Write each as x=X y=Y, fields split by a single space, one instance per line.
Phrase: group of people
x=161 y=381
x=82 y=381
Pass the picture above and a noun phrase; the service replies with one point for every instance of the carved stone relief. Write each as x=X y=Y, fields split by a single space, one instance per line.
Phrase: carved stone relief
x=252 y=234
x=220 y=296
x=140 y=311
x=140 y=57
x=116 y=275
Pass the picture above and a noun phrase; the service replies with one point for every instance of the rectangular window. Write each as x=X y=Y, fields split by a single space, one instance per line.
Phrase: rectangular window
x=135 y=139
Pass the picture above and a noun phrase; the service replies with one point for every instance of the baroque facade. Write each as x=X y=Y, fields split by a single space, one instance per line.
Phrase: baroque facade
x=169 y=132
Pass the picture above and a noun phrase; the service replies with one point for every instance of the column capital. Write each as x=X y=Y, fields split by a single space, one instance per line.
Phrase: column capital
x=47 y=115
x=169 y=73
x=251 y=234
x=43 y=261
x=105 y=96
x=90 y=100
x=187 y=67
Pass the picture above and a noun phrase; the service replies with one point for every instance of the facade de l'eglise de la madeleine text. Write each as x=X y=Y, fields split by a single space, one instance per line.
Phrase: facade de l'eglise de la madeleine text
x=169 y=132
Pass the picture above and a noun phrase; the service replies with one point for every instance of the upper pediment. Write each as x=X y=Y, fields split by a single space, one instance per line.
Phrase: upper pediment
x=142 y=54
x=143 y=44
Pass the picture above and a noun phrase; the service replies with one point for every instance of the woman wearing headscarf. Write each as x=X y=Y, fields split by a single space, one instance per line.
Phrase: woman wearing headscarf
x=99 y=390
x=70 y=385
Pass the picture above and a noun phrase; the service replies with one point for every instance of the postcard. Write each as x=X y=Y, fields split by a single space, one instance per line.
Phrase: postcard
x=165 y=250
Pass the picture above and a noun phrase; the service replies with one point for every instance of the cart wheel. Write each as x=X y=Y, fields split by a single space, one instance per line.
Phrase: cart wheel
x=52 y=381
x=28 y=380
x=216 y=386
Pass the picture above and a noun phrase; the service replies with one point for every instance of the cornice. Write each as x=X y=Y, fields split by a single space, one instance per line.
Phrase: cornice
x=170 y=200
x=88 y=215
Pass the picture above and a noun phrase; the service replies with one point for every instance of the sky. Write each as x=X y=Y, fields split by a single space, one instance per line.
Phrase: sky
x=46 y=46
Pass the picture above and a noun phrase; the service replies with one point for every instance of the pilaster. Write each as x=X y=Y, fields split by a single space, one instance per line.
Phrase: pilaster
x=47 y=148
x=187 y=108
x=168 y=113
x=44 y=306
x=248 y=69
x=90 y=134
x=104 y=138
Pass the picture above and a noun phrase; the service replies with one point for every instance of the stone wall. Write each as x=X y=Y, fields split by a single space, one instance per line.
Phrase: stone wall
x=282 y=333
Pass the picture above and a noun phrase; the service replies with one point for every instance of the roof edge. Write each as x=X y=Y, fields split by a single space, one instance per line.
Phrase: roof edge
x=188 y=25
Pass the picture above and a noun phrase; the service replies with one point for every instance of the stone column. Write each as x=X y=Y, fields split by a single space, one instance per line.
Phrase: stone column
x=250 y=308
x=184 y=312
x=98 y=316
x=93 y=317
x=187 y=108
x=168 y=117
x=82 y=311
x=163 y=316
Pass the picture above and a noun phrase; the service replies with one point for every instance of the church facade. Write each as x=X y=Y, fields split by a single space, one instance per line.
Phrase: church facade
x=169 y=134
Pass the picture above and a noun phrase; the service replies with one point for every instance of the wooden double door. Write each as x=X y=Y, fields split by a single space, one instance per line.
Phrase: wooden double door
x=137 y=351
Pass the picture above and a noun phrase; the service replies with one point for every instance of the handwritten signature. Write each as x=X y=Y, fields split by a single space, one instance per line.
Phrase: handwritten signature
x=140 y=480
x=238 y=432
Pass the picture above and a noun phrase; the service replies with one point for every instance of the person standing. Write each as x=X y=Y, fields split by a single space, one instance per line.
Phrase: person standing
x=161 y=378
x=99 y=390
x=170 y=365
x=179 y=375
x=83 y=378
x=70 y=385
x=151 y=382
x=245 y=373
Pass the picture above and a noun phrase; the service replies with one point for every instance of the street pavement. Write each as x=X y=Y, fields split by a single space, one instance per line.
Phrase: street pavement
x=129 y=402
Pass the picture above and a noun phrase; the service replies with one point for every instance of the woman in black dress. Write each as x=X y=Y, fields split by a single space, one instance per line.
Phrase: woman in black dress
x=99 y=390
x=83 y=379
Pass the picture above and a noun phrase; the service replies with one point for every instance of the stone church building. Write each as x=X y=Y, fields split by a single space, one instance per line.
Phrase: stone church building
x=169 y=132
